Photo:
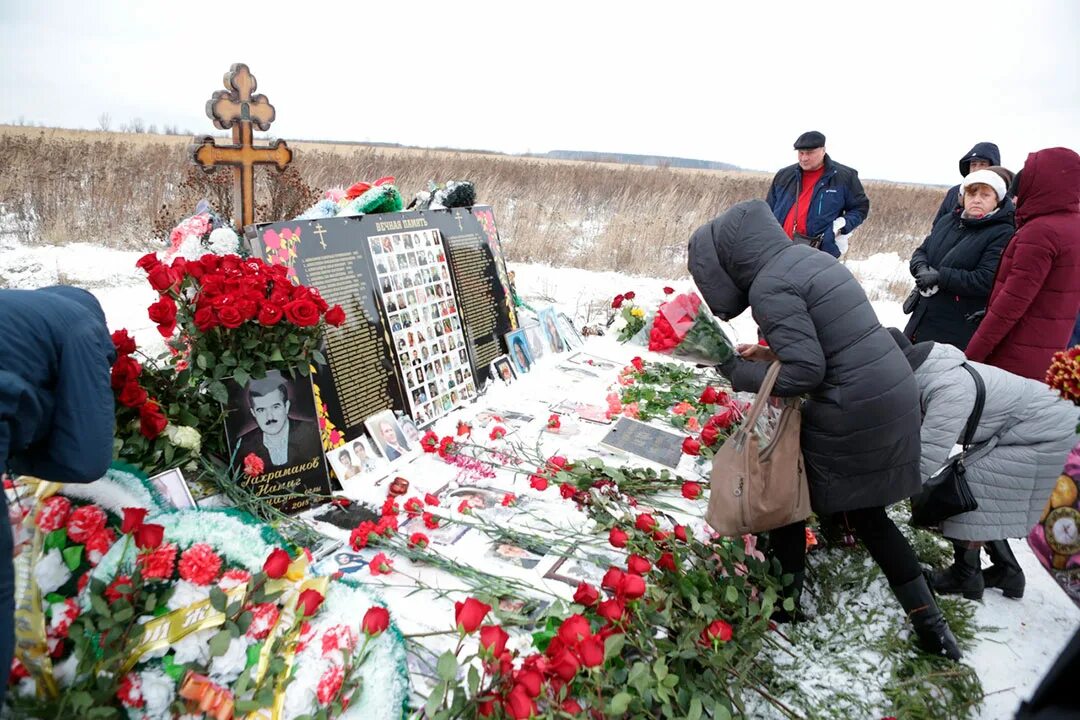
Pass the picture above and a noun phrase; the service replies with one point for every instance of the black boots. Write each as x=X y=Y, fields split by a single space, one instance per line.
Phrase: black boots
x=1005 y=573
x=963 y=576
x=933 y=632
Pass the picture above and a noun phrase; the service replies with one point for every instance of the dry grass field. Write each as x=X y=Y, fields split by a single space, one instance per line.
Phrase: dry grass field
x=113 y=188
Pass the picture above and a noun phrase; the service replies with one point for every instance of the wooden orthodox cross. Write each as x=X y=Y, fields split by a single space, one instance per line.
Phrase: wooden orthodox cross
x=237 y=108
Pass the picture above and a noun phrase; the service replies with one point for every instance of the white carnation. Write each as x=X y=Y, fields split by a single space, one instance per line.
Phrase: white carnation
x=223 y=241
x=186 y=593
x=158 y=690
x=183 y=436
x=190 y=248
x=51 y=572
x=225 y=668
x=194 y=648
x=300 y=694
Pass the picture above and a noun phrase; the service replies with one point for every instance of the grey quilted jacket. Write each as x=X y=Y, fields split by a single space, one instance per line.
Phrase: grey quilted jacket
x=1025 y=434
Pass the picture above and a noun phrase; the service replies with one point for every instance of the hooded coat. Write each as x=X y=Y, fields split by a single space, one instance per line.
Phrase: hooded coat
x=1030 y=430
x=966 y=253
x=980 y=151
x=860 y=432
x=1036 y=295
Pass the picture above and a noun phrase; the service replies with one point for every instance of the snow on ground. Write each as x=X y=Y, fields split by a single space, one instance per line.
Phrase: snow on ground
x=1022 y=638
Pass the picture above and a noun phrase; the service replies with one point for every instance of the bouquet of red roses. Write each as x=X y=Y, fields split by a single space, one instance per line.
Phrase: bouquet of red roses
x=683 y=329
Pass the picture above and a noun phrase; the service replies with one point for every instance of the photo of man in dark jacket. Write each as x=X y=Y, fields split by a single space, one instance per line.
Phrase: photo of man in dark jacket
x=817 y=200
x=283 y=435
x=56 y=404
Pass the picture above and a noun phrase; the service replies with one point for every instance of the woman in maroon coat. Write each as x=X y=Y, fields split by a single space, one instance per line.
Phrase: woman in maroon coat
x=1036 y=294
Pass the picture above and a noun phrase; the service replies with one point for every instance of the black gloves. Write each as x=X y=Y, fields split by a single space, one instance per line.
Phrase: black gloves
x=926 y=279
x=727 y=367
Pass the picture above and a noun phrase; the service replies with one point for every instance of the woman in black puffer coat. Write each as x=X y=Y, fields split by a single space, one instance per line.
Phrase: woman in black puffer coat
x=954 y=267
x=860 y=432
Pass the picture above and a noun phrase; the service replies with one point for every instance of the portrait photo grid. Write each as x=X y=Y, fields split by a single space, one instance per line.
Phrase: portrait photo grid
x=424 y=321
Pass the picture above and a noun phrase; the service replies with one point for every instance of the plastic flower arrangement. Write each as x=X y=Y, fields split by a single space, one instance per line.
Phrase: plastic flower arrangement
x=1064 y=373
x=202 y=233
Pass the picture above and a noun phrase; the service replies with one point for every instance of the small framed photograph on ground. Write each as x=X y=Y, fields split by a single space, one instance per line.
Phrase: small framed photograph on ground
x=172 y=485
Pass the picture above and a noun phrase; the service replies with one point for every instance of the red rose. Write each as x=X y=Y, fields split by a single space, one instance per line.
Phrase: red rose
x=709 y=435
x=376 y=620
x=419 y=540
x=571 y=707
x=163 y=312
x=124 y=371
x=611 y=610
x=335 y=316
x=161 y=278
x=565 y=665
x=149 y=536
x=53 y=514
x=557 y=461
x=530 y=680
x=519 y=705
x=85 y=522
x=276 y=563
x=612 y=579
x=630 y=295
x=718 y=631
x=668 y=290
x=158 y=564
x=538 y=482
x=124 y=343
x=199 y=564
x=690 y=446
x=632 y=587
x=308 y=602
x=469 y=614
x=493 y=638
x=230 y=316
x=667 y=562
x=592 y=652
x=302 y=313
x=617 y=302
x=638 y=364
x=586 y=594
x=567 y=491
x=680 y=533
x=148 y=262
x=723 y=419
x=253 y=465
x=645 y=522
x=205 y=320
x=132 y=395
x=573 y=629
x=269 y=314
x=133 y=519
x=691 y=490
x=709 y=396
x=638 y=565
x=152 y=421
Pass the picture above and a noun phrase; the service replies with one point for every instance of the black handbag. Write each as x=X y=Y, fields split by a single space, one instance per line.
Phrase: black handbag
x=911 y=301
x=947 y=493
x=813 y=241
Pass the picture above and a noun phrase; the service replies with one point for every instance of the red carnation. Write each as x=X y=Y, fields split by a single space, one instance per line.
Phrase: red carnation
x=470 y=614
x=419 y=540
x=276 y=563
x=54 y=513
x=85 y=522
x=430 y=521
x=376 y=620
x=158 y=564
x=429 y=442
x=381 y=565
x=335 y=316
x=98 y=544
x=253 y=465
x=497 y=432
x=199 y=564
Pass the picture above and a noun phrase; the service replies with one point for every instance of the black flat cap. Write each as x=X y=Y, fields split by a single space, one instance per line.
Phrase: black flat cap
x=810 y=140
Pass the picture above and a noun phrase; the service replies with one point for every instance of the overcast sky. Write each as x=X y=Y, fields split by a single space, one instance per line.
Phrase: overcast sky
x=900 y=89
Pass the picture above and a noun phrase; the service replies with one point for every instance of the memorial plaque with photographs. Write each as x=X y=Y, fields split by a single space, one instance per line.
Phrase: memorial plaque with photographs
x=646 y=441
x=273 y=418
x=425 y=322
x=360 y=377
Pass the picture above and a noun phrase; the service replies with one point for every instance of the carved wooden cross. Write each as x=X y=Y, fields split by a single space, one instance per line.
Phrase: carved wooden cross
x=237 y=108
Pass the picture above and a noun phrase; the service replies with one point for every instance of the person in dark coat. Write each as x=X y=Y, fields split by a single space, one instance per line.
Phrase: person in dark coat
x=954 y=267
x=818 y=197
x=1036 y=295
x=56 y=404
x=982 y=155
x=860 y=432
x=1075 y=339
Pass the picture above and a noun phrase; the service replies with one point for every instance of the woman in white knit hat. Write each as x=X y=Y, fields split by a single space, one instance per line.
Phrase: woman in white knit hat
x=955 y=265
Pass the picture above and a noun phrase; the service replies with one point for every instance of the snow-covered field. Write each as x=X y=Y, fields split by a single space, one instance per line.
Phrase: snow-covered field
x=1020 y=638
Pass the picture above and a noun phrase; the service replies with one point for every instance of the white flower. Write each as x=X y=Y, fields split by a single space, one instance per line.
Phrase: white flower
x=186 y=593
x=26 y=687
x=51 y=572
x=300 y=693
x=158 y=690
x=183 y=436
x=190 y=248
x=227 y=667
x=223 y=241
x=64 y=672
x=194 y=648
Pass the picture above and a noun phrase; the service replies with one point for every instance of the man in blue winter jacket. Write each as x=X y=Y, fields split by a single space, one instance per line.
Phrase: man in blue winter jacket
x=56 y=404
x=818 y=201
